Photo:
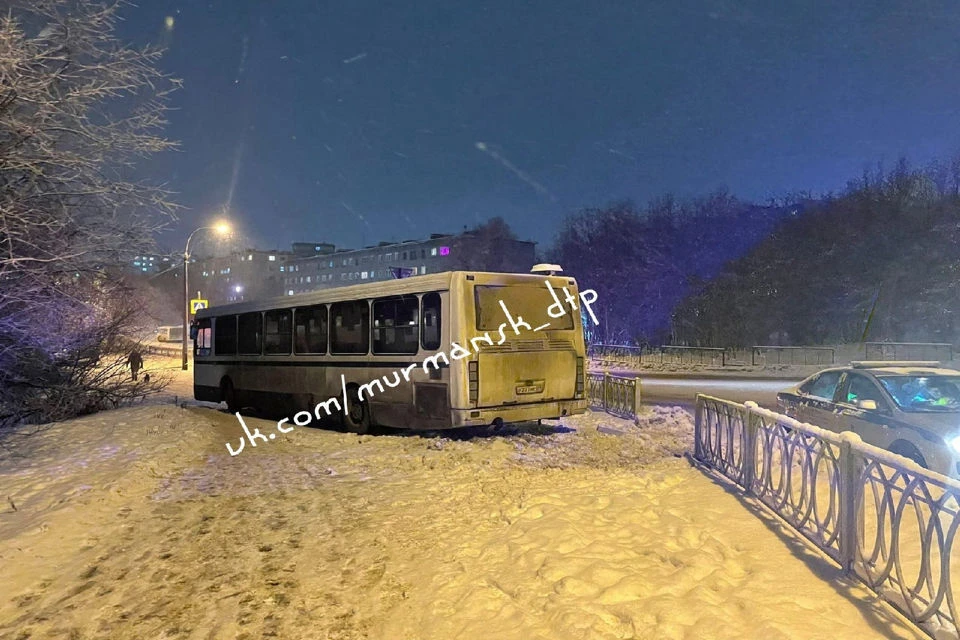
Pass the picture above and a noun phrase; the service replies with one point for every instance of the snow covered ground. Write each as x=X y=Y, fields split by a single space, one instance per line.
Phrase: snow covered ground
x=739 y=365
x=137 y=523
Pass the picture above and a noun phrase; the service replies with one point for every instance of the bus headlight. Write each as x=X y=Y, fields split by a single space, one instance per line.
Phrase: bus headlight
x=954 y=442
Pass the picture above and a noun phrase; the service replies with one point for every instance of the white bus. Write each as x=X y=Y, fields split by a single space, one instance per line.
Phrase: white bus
x=170 y=333
x=430 y=352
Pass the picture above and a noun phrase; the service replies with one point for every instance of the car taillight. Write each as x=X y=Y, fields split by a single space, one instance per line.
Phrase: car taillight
x=473 y=376
x=579 y=377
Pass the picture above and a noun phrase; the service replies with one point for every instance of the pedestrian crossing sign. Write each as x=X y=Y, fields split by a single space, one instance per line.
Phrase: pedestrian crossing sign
x=196 y=305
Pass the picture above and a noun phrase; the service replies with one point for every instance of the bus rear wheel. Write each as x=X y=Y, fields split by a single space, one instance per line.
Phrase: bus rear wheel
x=356 y=415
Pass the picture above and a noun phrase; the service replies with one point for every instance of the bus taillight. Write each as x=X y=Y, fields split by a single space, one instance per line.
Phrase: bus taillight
x=579 y=377
x=473 y=375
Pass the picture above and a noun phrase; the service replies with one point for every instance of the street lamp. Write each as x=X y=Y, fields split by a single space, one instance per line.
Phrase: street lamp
x=221 y=228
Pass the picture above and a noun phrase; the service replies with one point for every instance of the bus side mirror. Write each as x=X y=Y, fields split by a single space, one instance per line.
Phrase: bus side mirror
x=194 y=330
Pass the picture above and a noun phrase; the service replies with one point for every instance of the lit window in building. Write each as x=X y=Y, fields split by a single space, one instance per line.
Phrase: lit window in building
x=274 y=259
x=444 y=251
x=363 y=275
x=281 y=268
x=433 y=251
x=423 y=269
x=308 y=278
x=144 y=269
x=250 y=257
x=290 y=292
x=137 y=263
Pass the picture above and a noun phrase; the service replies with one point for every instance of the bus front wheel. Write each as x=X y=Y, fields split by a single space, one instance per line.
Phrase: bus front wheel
x=356 y=415
x=229 y=395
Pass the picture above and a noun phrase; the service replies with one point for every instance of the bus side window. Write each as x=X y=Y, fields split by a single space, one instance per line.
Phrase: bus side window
x=201 y=346
x=277 y=334
x=250 y=333
x=395 y=324
x=350 y=327
x=225 y=336
x=430 y=333
x=310 y=330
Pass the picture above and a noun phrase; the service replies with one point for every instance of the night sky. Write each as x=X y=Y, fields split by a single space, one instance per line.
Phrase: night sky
x=358 y=121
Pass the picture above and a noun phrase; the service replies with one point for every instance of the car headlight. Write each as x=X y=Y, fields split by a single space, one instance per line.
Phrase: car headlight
x=954 y=442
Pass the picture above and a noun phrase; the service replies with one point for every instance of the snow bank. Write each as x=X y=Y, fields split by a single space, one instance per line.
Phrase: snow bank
x=137 y=524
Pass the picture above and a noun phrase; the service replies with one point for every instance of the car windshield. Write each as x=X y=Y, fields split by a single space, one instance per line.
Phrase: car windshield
x=924 y=393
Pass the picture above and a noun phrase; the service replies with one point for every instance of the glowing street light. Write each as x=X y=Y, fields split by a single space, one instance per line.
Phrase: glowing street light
x=221 y=228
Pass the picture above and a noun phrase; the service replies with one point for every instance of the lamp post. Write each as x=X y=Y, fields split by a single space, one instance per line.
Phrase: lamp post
x=222 y=228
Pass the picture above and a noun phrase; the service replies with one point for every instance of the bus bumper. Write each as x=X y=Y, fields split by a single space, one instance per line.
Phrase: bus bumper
x=517 y=413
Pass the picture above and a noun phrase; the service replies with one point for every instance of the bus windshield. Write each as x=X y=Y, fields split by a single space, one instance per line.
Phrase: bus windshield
x=529 y=302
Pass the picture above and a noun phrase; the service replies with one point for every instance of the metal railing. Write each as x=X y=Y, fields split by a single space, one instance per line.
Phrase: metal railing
x=887 y=522
x=763 y=355
x=693 y=355
x=614 y=394
x=908 y=351
x=616 y=356
x=171 y=352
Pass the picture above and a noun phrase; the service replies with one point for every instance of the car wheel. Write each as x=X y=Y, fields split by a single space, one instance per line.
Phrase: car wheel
x=356 y=415
x=907 y=450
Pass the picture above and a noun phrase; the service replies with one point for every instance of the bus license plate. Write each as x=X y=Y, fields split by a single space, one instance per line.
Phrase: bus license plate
x=524 y=389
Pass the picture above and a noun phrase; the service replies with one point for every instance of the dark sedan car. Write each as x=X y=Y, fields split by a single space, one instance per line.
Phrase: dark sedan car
x=909 y=408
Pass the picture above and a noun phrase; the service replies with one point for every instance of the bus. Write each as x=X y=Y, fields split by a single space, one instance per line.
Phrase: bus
x=436 y=351
x=170 y=333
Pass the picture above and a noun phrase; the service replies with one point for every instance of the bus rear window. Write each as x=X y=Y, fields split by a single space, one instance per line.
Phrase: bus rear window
x=529 y=302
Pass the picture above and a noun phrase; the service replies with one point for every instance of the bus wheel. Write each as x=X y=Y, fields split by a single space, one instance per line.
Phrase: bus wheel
x=229 y=395
x=356 y=415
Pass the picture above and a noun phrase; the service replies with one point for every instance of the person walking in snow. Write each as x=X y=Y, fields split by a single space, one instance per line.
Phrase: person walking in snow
x=135 y=360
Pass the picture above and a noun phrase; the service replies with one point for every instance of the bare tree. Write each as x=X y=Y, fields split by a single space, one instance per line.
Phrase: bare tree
x=77 y=108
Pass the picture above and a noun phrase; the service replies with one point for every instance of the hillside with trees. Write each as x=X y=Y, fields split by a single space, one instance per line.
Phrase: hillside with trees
x=643 y=262
x=78 y=108
x=879 y=261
